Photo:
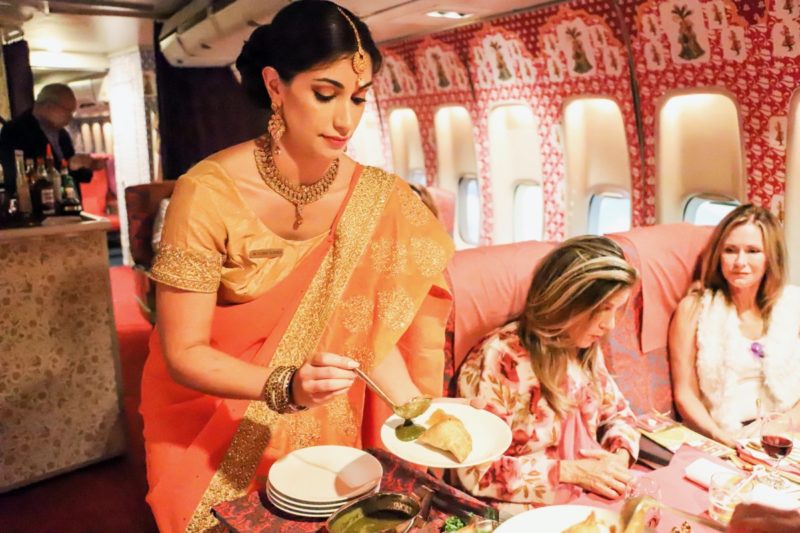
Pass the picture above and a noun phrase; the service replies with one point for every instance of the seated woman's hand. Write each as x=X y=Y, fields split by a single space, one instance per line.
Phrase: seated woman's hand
x=600 y=472
x=321 y=378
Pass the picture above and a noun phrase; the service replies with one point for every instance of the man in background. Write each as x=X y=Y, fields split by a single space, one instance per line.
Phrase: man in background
x=34 y=129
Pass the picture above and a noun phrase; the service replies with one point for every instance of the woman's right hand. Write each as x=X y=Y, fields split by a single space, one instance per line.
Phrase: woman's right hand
x=726 y=439
x=602 y=473
x=321 y=378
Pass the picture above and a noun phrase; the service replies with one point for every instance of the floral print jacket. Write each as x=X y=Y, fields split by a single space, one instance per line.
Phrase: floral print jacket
x=499 y=371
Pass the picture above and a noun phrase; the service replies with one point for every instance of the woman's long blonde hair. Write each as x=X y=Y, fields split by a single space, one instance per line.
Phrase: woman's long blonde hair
x=570 y=283
x=774 y=248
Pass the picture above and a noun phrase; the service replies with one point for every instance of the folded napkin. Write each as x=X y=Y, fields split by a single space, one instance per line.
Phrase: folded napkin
x=701 y=470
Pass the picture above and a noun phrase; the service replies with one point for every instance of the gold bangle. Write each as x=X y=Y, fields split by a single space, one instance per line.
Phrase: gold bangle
x=277 y=390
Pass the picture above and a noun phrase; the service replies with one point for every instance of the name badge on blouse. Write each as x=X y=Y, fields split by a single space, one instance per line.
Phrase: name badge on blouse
x=266 y=253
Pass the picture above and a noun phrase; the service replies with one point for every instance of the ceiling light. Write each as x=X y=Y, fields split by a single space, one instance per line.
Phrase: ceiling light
x=448 y=14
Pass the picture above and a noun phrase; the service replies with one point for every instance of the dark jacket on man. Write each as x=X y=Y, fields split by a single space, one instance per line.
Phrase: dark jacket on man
x=24 y=133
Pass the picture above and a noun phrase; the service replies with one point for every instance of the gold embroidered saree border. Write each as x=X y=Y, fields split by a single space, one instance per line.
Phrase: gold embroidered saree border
x=353 y=235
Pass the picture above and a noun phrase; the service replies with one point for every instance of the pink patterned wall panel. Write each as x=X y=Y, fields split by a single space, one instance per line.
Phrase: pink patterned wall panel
x=742 y=47
x=539 y=58
x=543 y=57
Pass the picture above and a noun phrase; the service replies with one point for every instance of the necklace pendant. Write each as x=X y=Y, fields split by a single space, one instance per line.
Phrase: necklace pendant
x=298 y=216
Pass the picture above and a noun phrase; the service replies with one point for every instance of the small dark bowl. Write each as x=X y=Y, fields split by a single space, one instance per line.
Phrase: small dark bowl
x=389 y=506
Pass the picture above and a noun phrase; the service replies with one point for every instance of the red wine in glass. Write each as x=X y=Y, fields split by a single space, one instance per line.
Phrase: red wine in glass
x=776 y=446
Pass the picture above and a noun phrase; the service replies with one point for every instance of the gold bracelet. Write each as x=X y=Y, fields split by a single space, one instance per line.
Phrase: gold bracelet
x=278 y=391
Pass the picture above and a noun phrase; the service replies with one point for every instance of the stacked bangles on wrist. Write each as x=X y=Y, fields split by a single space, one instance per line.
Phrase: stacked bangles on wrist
x=278 y=391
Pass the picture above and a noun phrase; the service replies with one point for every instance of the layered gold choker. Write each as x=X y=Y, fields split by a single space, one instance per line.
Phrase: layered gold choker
x=297 y=195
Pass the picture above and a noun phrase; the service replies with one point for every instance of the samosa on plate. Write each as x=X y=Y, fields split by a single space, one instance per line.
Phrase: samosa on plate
x=447 y=432
x=439 y=416
x=589 y=525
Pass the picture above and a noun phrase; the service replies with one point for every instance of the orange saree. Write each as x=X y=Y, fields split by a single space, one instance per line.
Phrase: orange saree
x=376 y=283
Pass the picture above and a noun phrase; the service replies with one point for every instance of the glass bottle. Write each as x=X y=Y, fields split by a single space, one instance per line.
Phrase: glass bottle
x=24 y=205
x=70 y=204
x=43 y=196
x=53 y=175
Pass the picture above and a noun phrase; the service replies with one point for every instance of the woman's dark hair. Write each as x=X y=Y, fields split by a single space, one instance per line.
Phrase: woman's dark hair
x=303 y=35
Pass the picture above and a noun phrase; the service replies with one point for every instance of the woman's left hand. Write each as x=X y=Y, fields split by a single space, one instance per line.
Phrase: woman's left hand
x=617 y=458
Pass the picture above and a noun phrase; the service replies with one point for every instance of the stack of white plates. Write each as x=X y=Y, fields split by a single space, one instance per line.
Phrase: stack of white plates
x=315 y=482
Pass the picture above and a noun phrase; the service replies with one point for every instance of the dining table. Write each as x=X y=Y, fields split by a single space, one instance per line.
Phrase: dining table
x=253 y=513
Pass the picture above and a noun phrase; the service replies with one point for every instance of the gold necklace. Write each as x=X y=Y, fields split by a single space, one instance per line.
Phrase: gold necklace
x=298 y=195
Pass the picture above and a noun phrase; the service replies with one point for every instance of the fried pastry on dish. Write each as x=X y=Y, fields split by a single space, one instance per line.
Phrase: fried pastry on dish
x=439 y=416
x=447 y=432
x=589 y=525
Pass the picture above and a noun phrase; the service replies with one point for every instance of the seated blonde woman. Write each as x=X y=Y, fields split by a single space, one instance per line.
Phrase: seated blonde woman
x=545 y=376
x=733 y=340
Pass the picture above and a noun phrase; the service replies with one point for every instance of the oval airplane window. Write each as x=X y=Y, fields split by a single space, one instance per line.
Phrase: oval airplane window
x=469 y=198
x=86 y=138
x=365 y=144
x=514 y=157
x=596 y=156
x=528 y=219
x=698 y=152
x=108 y=136
x=609 y=212
x=707 y=211
x=406 y=142
x=455 y=154
x=97 y=138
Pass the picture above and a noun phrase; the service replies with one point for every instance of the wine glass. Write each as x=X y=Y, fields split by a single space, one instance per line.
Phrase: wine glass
x=777 y=442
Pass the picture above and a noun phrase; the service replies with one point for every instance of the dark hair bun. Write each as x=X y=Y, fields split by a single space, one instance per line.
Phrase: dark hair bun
x=302 y=35
x=255 y=55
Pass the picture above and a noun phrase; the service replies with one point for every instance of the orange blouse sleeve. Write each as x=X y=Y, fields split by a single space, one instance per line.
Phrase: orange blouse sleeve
x=192 y=247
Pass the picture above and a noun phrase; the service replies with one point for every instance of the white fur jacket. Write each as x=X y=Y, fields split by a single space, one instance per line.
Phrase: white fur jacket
x=718 y=336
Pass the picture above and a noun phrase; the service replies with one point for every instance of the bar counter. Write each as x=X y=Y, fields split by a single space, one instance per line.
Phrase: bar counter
x=60 y=387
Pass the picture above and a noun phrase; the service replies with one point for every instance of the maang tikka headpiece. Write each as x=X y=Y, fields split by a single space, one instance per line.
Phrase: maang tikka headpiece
x=360 y=57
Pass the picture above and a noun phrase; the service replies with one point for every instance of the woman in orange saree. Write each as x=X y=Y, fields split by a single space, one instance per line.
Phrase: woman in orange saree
x=250 y=284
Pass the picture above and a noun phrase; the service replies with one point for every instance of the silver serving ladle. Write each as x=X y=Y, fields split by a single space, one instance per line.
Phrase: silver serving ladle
x=406 y=411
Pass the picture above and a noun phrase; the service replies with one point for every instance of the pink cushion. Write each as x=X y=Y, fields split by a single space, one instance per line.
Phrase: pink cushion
x=669 y=254
x=446 y=205
x=489 y=285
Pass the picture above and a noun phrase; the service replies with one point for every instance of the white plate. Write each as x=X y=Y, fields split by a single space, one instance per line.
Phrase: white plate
x=325 y=474
x=299 y=511
x=557 y=518
x=367 y=488
x=491 y=437
x=275 y=495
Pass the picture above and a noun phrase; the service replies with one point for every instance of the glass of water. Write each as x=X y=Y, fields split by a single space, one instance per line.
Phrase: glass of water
x=725 y=492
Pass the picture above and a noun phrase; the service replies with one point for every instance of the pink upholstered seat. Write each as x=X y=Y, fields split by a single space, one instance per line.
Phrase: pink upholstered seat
x=446 y=205
x=490 y=285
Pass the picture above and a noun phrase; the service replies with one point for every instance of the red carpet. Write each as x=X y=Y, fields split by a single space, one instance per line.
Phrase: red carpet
x=107 y=497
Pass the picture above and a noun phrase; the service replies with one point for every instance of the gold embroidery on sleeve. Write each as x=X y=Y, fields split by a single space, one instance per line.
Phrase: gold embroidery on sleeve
x=191 y=270
x=428 y=255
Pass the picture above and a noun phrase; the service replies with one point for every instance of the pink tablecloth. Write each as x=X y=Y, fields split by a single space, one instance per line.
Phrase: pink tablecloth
x=676 y=491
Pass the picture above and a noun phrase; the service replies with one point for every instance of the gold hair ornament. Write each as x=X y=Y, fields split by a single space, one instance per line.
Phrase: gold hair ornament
x=360 y=56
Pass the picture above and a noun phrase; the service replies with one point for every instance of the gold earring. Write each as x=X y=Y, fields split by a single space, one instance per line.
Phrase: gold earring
x=276 y=125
